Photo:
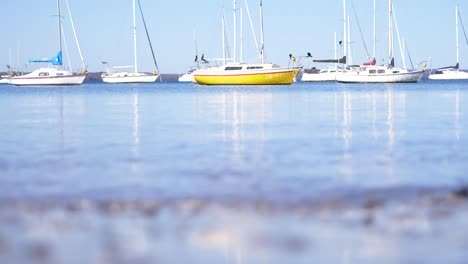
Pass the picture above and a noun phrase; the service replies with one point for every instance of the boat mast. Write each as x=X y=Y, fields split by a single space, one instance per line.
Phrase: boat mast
x=222 y=30
x=134 y=36
x=235 y=29
x=262 y=51
x=345 y=35
x=349 y=42
x=390 y=33
x=456 y=34
x=241 y=55
x=59 y=25
x=375 y=36
x=334 y=45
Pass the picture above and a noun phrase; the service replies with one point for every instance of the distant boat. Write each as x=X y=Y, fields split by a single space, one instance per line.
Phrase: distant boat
x=4 y=79
x=188 y=76
x=319 y=75
x=368 y=73
x=135 y=76
x=248 y=74
x=51 y=75
x=323 y=75
x=451 y=73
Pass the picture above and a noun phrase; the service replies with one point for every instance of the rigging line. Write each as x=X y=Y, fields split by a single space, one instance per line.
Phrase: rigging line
x=226 y=38
x=252 y=28
x=360 y=30
x=66 y=49
x=463 y=27
x=409 y=54
x=147 y=35
x=76 y=37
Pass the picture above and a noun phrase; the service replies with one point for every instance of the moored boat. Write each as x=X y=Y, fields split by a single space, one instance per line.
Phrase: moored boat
x=48 y=77
x=53 y=75
x=371 y=73
x=135 y=76
x=247 y=74
x=451 y=73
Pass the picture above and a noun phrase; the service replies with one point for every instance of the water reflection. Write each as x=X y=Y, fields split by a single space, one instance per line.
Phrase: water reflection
x=457 y=114
x=390 y=120
x=233 y=175
x=347 y=120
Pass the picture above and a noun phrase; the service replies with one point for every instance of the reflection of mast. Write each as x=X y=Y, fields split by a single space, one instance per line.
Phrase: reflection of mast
x=62 y=125
x=390 y=120
x=136 y=130
x=457 y=115
x=347 y=133
x=374 y=115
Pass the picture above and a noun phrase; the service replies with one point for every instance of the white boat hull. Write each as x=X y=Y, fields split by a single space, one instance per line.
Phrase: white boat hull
x=129 y=78
x=318 y=77
x=363 y=77
x=187 y=78
x=449 y=75
x=4 y=81
x=48 y=77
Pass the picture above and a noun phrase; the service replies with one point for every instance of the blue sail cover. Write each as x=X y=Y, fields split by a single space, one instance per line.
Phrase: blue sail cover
x=57 y=60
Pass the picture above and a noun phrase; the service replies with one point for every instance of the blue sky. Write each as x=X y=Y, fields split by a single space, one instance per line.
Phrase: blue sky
x=300 y=26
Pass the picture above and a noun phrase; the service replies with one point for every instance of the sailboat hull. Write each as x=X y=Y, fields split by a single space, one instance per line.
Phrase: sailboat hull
x=403 y=76
x=48 y=77
x=449 y=75
x=268 y=77
x=188 y=77
x=324 y=75
x=129 y=78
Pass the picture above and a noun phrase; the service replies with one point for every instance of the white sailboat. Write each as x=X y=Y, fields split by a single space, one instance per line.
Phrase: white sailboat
x=4 y=80
x=236 y=73
x=381 y=73
x=323 y=75
x=135 y=76
x=451 y=73
x=51 y=75
x=188 y=76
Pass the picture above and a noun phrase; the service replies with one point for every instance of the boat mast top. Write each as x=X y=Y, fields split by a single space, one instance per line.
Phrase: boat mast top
x=262 y=33
x=59 y=25
x=345 y=35
x=134 y=37
x=375 y=37
x=235 y=29
x=390 y=32
x=456 y=34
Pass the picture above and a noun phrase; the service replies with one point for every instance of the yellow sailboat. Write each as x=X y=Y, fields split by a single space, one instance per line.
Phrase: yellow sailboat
x=248 y=74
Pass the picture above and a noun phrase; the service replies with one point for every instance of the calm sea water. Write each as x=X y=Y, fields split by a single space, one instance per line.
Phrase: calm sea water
x=229 y=172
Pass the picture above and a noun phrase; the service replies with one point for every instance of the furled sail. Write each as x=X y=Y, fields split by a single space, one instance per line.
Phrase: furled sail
x=342 y=60
x=456 y=67
x=56 y=60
